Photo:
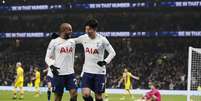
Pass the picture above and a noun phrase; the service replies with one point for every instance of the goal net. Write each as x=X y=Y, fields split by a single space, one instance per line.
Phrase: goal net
x=194 y=74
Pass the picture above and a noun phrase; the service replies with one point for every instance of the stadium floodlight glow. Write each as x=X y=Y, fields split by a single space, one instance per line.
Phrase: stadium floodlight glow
x=3 y=1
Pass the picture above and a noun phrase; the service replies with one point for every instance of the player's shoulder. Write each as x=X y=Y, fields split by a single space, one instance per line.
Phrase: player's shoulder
x=124 y=74
x=83 y=36
x=72 y=40
x=53 y=41
x=101 y=37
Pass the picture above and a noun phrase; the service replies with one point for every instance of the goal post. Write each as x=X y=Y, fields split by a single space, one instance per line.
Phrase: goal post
x=194 y=74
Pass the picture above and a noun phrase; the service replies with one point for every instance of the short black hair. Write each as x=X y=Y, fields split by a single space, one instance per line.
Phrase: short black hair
x=155 y=84
x=93 y=23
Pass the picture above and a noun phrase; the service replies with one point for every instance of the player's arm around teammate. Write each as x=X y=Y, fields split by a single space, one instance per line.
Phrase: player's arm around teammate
x=94 y=70
x=60 y=58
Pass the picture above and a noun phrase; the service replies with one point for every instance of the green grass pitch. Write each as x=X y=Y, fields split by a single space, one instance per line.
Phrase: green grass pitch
x=29 y=96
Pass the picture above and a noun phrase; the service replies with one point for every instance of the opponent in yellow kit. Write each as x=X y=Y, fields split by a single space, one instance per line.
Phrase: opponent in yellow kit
x=126 y=78
x=37 y=81
x=19 y=81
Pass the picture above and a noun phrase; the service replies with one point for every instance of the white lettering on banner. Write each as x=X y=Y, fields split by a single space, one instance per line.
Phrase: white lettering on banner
x=92 y=6
x=23 y=35
x=120 y=33
x=188 y=4
x=110 y=5
x=35 y=35
x=123 y=34
x=29 y=7
x=189 y=33
x=178 y=4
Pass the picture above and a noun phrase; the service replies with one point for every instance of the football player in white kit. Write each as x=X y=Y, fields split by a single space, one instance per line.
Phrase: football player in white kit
x=60 y=59
x=94 y=70
x=49 y=74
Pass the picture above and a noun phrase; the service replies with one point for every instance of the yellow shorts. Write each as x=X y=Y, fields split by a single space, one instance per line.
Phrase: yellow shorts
x=19 y=83
x=128 y=86
x=36 y=84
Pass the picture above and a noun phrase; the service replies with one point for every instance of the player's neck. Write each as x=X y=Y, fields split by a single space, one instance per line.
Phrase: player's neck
x=94 y=36
x=64 y=37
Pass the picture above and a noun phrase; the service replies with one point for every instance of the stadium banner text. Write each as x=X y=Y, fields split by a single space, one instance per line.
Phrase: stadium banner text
x=107 y=34
x=33 y=7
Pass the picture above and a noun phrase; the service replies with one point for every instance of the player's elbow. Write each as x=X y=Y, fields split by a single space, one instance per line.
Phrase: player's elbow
x=113 y=54
x=49 y=61
x=46 y=60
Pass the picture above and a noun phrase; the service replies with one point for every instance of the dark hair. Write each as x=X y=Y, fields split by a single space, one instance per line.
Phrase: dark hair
x=93 y=23
x=155 y=84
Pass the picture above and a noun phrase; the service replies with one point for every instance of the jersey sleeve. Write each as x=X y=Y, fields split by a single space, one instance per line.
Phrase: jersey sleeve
x=109 y=49
x=79 y=39
x=129 y=74
x=49 y=58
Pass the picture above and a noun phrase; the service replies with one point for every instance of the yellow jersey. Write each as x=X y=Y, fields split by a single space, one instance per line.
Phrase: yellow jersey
x=199 y=88
x=127 y=78
x=20 y=74
x=37 y=76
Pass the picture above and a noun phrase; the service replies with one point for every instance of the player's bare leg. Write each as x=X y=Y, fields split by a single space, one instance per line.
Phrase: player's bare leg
x=86 y=93
x=99 y=96
x=21 y=93
x=73 y=94
x=37 y=92
x=130 y=94
x=15 y=93
x=106 y=96
x=49 y=85
x=57 y=97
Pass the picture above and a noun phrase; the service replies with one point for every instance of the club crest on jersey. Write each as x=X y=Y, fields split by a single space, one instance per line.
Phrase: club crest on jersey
x=99 y=45
x=66 y=50
x=91 y=51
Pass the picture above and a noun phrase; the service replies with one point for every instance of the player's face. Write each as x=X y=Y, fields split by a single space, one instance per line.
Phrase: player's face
x=90 y=31
x=67 y=30
x=125 y=70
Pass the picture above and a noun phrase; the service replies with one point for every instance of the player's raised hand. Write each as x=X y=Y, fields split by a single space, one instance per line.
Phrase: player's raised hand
x=101 y=63
x=54 y=70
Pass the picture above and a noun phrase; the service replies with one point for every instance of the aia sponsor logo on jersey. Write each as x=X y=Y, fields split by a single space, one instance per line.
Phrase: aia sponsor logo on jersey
x=91 y=50
x=66 y=50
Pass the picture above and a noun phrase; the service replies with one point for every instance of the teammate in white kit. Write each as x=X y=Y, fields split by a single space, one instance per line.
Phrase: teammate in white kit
x=94 y=70
x=49 y=74
x=60 y=59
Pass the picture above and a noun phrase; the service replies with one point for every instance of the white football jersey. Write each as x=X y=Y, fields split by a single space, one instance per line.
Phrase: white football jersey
x=60 y=53
x=94 y=51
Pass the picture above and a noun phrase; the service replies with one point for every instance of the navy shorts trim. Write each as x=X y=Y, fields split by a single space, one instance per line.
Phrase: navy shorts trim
x=96 y=82
x=63 y=81
x=49 y=79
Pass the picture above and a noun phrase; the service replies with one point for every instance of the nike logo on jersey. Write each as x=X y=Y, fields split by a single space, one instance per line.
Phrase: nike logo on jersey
x=91 y=51
x=66 y=50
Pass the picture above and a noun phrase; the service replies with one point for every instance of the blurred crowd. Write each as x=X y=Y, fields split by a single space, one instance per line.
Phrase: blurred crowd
x=122 y=20
x=160 y=59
